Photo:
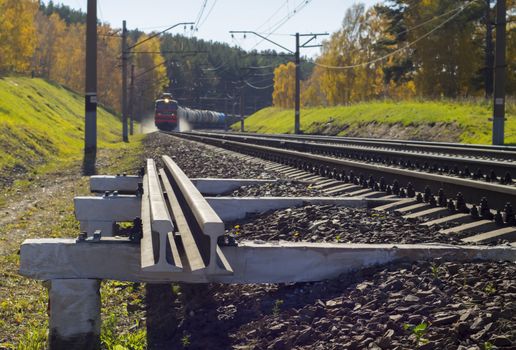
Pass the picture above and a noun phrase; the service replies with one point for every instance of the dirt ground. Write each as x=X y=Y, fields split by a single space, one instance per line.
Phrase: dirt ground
x=42 y=206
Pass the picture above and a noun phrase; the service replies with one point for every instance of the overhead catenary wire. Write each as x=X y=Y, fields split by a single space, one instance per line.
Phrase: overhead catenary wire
x=258 y=87
x=222 y=65
x=434 y=18
x=208 y=14
x=401 y=48
x=199 y=15
x=284 y=20
x=272 y=16
x=289 y=15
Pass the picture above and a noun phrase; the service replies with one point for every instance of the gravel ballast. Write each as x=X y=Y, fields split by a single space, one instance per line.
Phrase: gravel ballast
x=424 y=305
x=198 y=160
x=278 y=189
x=329 y=223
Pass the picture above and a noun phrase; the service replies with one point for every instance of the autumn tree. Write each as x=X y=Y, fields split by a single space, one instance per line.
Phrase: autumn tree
x=346 y=71
x=284 y=85
x=17 y=34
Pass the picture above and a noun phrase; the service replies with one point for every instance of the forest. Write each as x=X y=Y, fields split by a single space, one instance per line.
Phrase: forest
x=48 y=41
x=398 y=49
x=405 y=49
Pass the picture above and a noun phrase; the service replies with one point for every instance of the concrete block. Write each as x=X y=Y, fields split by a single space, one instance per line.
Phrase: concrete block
x=215 y=187
x=74 y=314
x=506 y=233
x=122 y=184
x=90 y=226
x=111 y=208
x=252 y=262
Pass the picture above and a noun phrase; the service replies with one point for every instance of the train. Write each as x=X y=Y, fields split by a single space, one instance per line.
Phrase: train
x=168 y=114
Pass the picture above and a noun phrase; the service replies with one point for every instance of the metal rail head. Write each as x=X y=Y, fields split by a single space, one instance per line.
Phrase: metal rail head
x=207 y=219
x=156 y=220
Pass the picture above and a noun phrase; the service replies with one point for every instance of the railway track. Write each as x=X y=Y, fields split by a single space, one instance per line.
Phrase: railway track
x=480 y=206
x=468 y=150
x=182 y=232
x=493 y=166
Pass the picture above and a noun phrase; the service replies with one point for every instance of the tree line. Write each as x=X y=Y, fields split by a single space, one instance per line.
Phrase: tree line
x=48 y=41
x=404 y=49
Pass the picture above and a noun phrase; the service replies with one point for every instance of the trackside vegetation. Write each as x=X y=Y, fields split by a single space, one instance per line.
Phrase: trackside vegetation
x=466 y=122
x=42 y=124
x=41 y=149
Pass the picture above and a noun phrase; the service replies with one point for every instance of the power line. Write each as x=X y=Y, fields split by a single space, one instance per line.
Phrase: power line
x=272 y=16
x=199 y=15
x=223 y=64
x=401 y=48
x=284 y=20
x=258 y=87
x=207 y=15
x=459 y=8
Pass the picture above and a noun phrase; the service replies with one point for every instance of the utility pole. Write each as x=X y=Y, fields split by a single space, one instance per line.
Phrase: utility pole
x=242 y=110
x=297 y=98
x=124 y=82
x=297 y=104
x=488 y=73
x=499 y=85
x=226 y=111
x=131 y=102
x=90 y=128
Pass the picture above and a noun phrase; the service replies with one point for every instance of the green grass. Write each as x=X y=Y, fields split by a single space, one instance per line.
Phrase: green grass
x=43 y=124
x=42 y=128
x=446 y=121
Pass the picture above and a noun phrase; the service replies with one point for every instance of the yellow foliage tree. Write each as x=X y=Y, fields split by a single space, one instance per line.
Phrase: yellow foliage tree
x=151 y=69
x=284 y=85
x=17 y=34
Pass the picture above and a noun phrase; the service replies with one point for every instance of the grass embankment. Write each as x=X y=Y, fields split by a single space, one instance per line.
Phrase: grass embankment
x=43 y=124
x=42 y=139
x=440 y=121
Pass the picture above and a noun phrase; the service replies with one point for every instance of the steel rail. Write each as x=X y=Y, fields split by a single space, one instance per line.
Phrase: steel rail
x=472 y=190
x=467 y=167
x=498 y=152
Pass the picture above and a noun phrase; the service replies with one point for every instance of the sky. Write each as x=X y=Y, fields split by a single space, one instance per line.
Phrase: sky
x=221 y=16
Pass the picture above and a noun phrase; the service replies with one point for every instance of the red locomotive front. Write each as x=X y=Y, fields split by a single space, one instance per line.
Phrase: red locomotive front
x=165 y=113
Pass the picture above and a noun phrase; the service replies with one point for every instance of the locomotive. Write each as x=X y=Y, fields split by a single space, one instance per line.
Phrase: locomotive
x=165 y=112
x=168 y=114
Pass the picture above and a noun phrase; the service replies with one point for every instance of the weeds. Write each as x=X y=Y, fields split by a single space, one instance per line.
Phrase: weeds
x=34 y=339
x=111 y=340
x=490 y=288
x=185 y=340
x=419 y=332
x=435 y=268
x=277 y=307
